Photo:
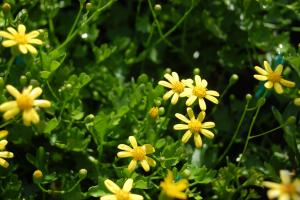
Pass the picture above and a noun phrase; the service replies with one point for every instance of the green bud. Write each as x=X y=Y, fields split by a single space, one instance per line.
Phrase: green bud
x=232 y=97
x=28 y=74
x=143 y=78
x=157 y=7
x=248 y=97
x=6 y=7
x=261 y=101
x=161 y=110
x=168 y=71
x=157 y=102
x=196 y=71
x=291 y=120
x=233 y=79
x=37 y=175
x=187 y=173
x=68 y=86
x=82 y=173
x=89 y=6
x=23 y=80
x=34 y=83
x=89 y=118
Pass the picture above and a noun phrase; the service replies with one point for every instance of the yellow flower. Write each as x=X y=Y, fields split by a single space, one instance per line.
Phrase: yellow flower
x=120 y=194
x=198 y=91
x=4 y=154
x=20 y=38
x=138 y=153
x=297 y=100
x=153 y=112
x=273 y=78
x=285 y=190
x=174 y=189
x=174 y=84
x=25 y=102
x=194 y=126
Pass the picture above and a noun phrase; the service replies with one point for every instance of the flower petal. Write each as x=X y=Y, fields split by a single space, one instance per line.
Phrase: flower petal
x=278 y=88
x=128 y=185
x=187 y=135
x=4 y=163
x=197 y=140
x=21 y=29
x=35 y=41
x=151 y=161
x=190 y=113
x=212 y=99
x=6 y=154
x=267 y=66
x=132 y=141
x=13 y=91
x=260 y=77
x=11 y=113
x=111 y=186
x=197 y=80
x=190 y=100
x=135 y=197
x=212 y=93
x=279 y=69
x=165 y=84
x=285 y=176
x=145 y=165
x=201 y=116
x=287 y=83
x=181 y=127
x=42 y=103
x=268 y=84
x=148 y=148
x=168 y=95
x=8 y=106
x=174 y=98
x=169 y=78
x=9 y=43
x=124 y=147
x=207 y=133
x=23 y=49
x=208 y=125
x=204 y=83
x=31 y=49
x=175 y=76
x=6 y=35
x=182 y=118
x=32 y=34
x=12 y=30
x=261 y=70
x=124 y=154
x=109 y=197
x=132 y=165
x=36 y=92
x=202 y=104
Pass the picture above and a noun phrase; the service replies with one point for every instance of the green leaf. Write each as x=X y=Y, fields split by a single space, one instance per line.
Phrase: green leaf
x=51 y=125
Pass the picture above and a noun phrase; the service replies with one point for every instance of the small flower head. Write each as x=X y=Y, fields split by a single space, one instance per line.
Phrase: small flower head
x=4 y=154
x=284 y=190
x=21 y=39
x=138 y=154
x=199 y=91
x=174 y=84
x=174 y=189
x=194 y=126
x=120 y=194
x=37 y=175
x=25 y=102
x=153 y=112
x=272 y=78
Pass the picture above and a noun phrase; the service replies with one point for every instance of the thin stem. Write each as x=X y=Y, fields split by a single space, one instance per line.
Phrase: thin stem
x=9 y=65
x=76 y=20
x=6 y=123
x=51 y=90
x=235 y=133
x=267 y=132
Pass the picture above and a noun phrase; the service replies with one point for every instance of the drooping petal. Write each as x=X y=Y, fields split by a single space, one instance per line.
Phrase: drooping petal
x=11 y=113
x=128 y=185
x=181 y=126
x=111 y=186
x=148 y=148
x=212 y=99
x=268 y=84
x=261 y=70
x=9 y=43
x=132 y=141
x=260 y=77
x=168 y=95
x=174 y=98
x=31 y=49
x=21 y=29
x=145 y=165
x=165 y=84
x=182 y=118
x=208 y=125
x=190 y=100
x=287 y=83
x=132 y=165
x=135 y=197
x=197 y=140
x=124 y=147
x=202 y=104
x=8 y=106
x=278 y=88
x=42 y=103
x=13 y=91
x=207 y=133
x=124 y=154
x=187 y=135
x=6 y=35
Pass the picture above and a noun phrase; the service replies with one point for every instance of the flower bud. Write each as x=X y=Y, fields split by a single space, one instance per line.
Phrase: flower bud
x=34 y=83
x=153 y=112
x=261 y=101
x=157 y=7
x=248 y=97
x=1 y=84
x=89 y=6
x=161 y=110
x=89 y=118
x=291 y=120
x=3 y=133
x=297 y=101
x=187 y=173
x=233 y=79
x=196 y=71
x=143 y=78
x=168 y=71
x=6 y=7
x=23 y=80
x=232 y=97
x=157 y=102
x=82 y=173
x=37 y=175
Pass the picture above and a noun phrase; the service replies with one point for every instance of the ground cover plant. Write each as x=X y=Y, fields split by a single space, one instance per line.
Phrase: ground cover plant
x=146 y=99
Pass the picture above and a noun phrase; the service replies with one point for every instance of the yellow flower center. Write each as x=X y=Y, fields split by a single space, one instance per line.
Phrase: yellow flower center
x=138 y=153
x=288 y=188
x=199 y=91
x=195 y=126
x=24 y=102
x=274 y=77
x=153 y=112
x=178 y=87
x=21 y=39
x=122 y=195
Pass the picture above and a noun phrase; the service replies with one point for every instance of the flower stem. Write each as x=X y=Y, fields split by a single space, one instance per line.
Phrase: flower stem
x=267 y=132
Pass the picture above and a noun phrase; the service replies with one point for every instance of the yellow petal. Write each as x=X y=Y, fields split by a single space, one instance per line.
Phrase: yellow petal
x=132 y=165
x=148 y=148
x=8 y=106
x=124 y=154
x=165 y=84
x=124 y=147
x=6 y=154
x=13 y=91
x=3 y=133
x=197 y=80
x=175 y=76
x=35 y=41
x=287 y=83
x=12 y=30
x=190 y=113
x=279 y=69
x=11 y=113
x=145 y=165
x=150 y=161
x=42 y=103
x=36 y=92
x=197 y=140
x=3 y=163
x=23 y=49
x=285 y=176
x=260 y=77
x=133 y=142
x=278 y=88
x=169 y=78
x=268 y=84
x=204 y=83
x=109 y=197
x=208 y=125
x=201 y=116
x=187 y=135
x=261 y=70
x=32 y=34
x=31 y=49
x=212 y=99
x=3 y=143
x=267 y=66
x=135 y=197
x=190 y=100
x=207 y=133
x=168 y=95
x=6 y=35
x=111 y=186
x=182 y=118
x=202 y=104
x=128 y=185
x=212 y=93
x=181 y=127
x=21 y=29
x=174 y=98
x=9 y=43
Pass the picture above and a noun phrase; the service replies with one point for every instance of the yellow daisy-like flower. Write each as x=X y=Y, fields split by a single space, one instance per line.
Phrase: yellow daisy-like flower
x=174 y=189
x=287 y=190
x=4 y=154
x=120 y=194
x=198 y=91
x=138 y=153
x=20 y=38
x=153 y=112
x=25 y=102
x=176 y=86
x=272 y=78
x=194 y=126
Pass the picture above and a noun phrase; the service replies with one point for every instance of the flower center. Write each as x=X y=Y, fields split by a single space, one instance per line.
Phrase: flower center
x=24 y=102
x=274 y=77
x=199 y=91
x=195 y=126
x=288 y=188
x=21 y=39
x=178 y=87
x=138 y=153
x=122 y=195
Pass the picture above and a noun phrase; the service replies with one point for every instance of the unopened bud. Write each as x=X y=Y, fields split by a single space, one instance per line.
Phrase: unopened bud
x=143 y=78
x=82 y=173
x=248 y=97
x=261 y=101
x=291 y=120
x=161 y=110
x=168 y=71
x=89 y=118
x=232 y=97
x=23 y=80
x=297 y=101
x=6 y=7
x=157 y=7
x=196 y=71
x=34 y=83
x=187 y=173
x=153 y=112
x=89 y=6
x=37 y=175
x=157 y=102
x=233 y=79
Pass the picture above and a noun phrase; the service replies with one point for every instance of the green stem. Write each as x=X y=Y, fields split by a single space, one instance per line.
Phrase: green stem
x=6 y=123
x=76 y=20
x=51 y=91
x=267 y=132
x=235 y=133
x=51 y=30
x=9 y=65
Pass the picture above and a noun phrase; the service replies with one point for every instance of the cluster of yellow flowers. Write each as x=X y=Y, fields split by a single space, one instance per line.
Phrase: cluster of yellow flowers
x=193 y=90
